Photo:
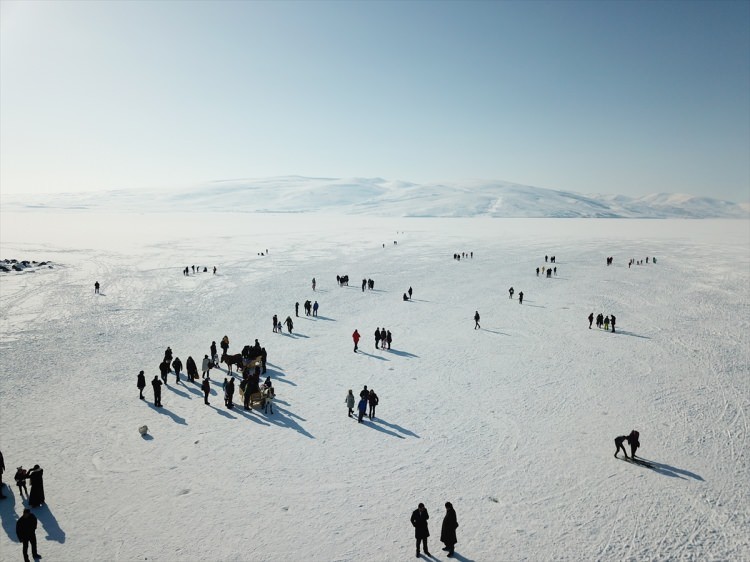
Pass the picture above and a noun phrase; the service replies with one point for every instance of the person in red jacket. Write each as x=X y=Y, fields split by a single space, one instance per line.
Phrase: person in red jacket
x=355 y=337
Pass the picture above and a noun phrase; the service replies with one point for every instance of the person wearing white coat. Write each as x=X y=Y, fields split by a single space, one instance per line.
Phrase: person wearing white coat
x=350 y=402
x=206 y=367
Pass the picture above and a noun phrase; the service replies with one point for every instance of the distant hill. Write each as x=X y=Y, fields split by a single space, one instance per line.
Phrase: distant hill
x=377 y=196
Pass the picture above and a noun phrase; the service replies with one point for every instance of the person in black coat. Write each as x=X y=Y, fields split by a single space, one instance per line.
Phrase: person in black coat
x=177 y=366
x=419 y=519
x=168 y=355
x=448 y=530
x=141 y=384
x=26 y=532
x=229 y=394
x=156 y=383
x=36 y=496
x=164 y=370
x=2 y=469
x=192 y=368
x=206 y=387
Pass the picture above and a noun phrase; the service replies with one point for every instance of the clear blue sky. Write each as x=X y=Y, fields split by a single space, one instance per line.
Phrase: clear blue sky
x=611 y=97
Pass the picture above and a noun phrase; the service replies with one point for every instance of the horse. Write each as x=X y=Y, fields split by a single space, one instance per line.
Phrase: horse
x=231 y=360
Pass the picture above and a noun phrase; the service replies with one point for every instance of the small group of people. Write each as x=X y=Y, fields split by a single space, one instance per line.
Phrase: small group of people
x=367 y=283
x=464 y=255
x=419 y=518
x=511 y=292
x=311 y=309
x=551 y=259
x=602 y=321
x=27 y=523
x=548 y=270
x=383 y=338
x=366 y=397
x=638 y=262
x=278 y=327
x=407 y=294
x=186 y=271
x=633 y=440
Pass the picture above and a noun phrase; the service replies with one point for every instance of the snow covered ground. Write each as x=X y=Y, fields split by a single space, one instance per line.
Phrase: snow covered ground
x=513 y=423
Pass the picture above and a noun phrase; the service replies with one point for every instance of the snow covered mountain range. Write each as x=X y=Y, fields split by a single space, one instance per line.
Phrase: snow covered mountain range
x=381 y=197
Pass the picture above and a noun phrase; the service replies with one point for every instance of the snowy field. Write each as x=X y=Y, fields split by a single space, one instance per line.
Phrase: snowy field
x=513 y=423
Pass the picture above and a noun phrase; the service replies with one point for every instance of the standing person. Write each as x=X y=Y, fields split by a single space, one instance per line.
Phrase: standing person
x=476 y=320
x=364 y=284
x=313 y=283
x=296 y=311
x=206 y=366
x=612 y=321
x=388 y=338
x=177 y=366
x=276 y=322
x=20 y=478
x=419 y=519
x=225 y=345
x=606 y=323
x=591 y=319
x=355 y=337
x=35 y=476
x=156 y=384
x=2 y=469
x=141 y=384
x=214 y=270
x=373 y=400
x=361 y=408
x=599 y=320
x=26 y=533
x=350 y=402
x=164 y=370
x=289 y=324
x=192 y=369
x=382 y=337
x=315 y=308
x=448 y=530
x=409 y=293
x=168 y=355
x=206 y=387
x=96 y=288
x=377 y=337
x=214 y=355
x=520 y=297
x=229 y=394
x=268 y=404
x=510 y=292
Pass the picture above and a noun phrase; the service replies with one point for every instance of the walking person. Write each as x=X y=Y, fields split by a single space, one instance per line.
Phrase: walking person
x=289 y=324
x=206 y=387
x=419 y=520
x=26 y=533
x=373 y=401
x=448 y=530
x=177 y=366
x=591 y=319
x=35 y=476
x=156 y=384
x=349 y=401
x=355 y=337
x=141 y=384
x=476 y=320
x=164 y=370
x=520 y=297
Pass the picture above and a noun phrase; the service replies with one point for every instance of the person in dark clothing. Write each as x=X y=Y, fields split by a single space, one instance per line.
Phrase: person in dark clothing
x=377 y=338
x=388 y=338
x=245 y=388
x=263 y=359
x=373 y=400
x=214 y=355
x=96 y=288
x=20 y=478
x=406 y=297
x=229 y=394
x=612 y=322
x=419 y=520
x=361 y=408
x=296 y=309
x=364 y=284
x=409 y=293
x=633 y=437
x=192 y=369
x=225 y=345
x=206 y=387
x=2 y=469
x=289 y=324
x=619 y=445
x=448 y=530
x=36 y=496
x=141 y=384
x=177 y=366
x=383 y=336
x=168 y=355
x=364 y=393
x=26 y=533
x=510 y=293
x=591 y=319
x=520 y=297
x=476 y=320
x=156 y=383
x=164 y=370
x=276 y=323
x=599 y=320
x=355 y=337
